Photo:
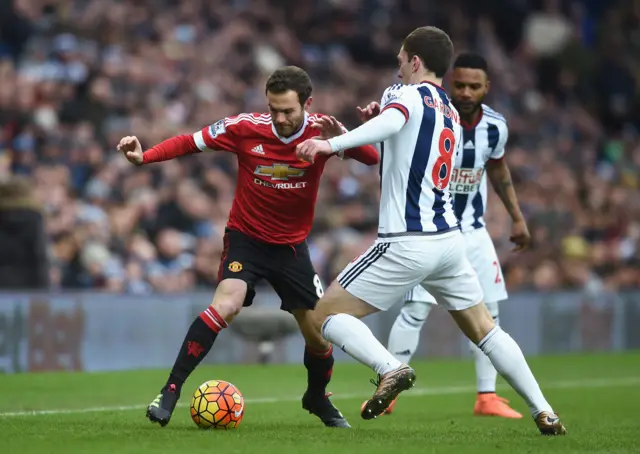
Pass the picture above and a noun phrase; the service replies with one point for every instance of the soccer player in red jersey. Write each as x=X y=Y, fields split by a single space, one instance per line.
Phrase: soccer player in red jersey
x=265 y=236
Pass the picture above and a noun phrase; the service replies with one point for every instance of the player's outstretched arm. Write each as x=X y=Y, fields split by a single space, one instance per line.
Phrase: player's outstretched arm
x=169 y=149
x=376 y=130
x=329 y=127
x=500 y=178
x=366 y=154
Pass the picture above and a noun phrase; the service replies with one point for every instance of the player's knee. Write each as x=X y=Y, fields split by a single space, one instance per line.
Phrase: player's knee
x=415 y=313
x=310 y=327
x=475 y=322
x=318 y=317
x=313 y=338
x=229 y=298
x=337 y=300
x=328 y=305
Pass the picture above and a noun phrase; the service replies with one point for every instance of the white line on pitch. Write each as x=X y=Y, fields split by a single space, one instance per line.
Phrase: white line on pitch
x=446 y=390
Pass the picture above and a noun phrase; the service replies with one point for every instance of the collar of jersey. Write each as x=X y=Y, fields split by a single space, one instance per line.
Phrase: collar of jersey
x=294 y=136
x=470 y=126
x=431 y=83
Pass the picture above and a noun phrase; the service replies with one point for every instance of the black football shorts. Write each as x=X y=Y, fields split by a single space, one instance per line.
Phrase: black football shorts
x=287 y=268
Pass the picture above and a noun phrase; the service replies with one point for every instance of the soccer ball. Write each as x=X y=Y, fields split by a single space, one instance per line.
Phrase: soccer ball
x=217 y=404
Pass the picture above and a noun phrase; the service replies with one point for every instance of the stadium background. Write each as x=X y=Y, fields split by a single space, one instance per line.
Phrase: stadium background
x=120 y=242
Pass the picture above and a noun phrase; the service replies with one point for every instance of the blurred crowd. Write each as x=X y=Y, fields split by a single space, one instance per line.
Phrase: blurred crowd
x=76 y=75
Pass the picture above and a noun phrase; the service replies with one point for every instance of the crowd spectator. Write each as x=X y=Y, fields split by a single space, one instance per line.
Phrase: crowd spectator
x=76 y=75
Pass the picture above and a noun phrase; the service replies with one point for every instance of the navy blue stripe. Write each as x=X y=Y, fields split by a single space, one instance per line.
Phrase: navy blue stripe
x=381 y=162
x=468 y=162
x=419 y=166
x=468 y=154
x=478 y=210
x=359 y=268
x=412 y=321
x=438 y=195
x=362 y=260
x=493 y=136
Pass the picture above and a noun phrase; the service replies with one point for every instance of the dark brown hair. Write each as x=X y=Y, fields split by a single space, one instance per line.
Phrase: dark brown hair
x=432 y=46
x=290 y=78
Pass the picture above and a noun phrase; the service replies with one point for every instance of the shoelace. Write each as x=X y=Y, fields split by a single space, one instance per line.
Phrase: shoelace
x=376 y=381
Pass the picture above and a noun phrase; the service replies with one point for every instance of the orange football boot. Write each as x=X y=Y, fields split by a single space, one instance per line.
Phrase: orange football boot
x=490 y=404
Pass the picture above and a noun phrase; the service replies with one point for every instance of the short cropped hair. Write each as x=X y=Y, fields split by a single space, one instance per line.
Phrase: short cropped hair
x=471 y=60
x=290 y=78
x=433 y=46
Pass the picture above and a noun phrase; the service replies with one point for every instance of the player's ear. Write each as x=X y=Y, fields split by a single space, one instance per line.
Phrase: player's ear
x=415 y=63
x=487 y=87
x=307 y=103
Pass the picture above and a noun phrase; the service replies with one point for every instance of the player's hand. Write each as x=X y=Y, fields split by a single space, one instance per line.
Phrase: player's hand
x=372 y=110
x=329 y=127
x=132 y=149
x=309 y=149
x=520 y=236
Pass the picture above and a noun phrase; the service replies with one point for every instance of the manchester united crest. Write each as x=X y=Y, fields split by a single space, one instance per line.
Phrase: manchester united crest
x=235 y=267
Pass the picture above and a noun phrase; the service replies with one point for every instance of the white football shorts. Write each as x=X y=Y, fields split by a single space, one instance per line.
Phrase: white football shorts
x=388 y=270
x=484 y=260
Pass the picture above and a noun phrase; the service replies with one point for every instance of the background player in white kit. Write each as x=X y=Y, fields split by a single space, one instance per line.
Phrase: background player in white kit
x=419 y=241
x=480 y=155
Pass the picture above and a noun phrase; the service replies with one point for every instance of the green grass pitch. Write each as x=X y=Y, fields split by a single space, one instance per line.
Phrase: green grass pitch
x=597 y=397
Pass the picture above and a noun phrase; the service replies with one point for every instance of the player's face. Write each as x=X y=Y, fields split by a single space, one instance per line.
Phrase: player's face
x=405 y=67
x=286 y=112
x=469 y=87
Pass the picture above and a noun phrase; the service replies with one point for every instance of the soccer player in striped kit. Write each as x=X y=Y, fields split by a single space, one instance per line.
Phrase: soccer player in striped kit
x=419 y=239
x=480 y=157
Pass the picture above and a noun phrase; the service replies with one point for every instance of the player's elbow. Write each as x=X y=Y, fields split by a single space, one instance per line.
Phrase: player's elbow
x=496 y=167
x=371 y=161
x=375 y=159
x=371 y=157
x=497 y=171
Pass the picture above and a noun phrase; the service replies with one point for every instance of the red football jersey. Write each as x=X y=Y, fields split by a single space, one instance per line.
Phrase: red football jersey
x=276 y=193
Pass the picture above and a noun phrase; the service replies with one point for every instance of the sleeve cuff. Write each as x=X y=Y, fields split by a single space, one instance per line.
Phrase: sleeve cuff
x=400 y=107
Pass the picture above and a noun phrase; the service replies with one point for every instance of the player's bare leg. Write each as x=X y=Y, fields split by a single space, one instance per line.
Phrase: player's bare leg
x=338 y=313
x=505 y=355
x=488 y=403
x=318 y=359
x=227 y=303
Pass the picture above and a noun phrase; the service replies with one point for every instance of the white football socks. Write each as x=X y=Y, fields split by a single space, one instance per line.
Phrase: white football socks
x=405 y=332
x=357 y=340
x=486 y=374
x=507 y=358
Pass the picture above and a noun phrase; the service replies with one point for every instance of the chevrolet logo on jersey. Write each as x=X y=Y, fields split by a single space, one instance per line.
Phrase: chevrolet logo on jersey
x=279 y=172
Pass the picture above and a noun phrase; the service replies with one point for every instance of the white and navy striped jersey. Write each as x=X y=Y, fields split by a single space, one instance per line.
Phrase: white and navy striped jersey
x=416 y=163
x=486 y=140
